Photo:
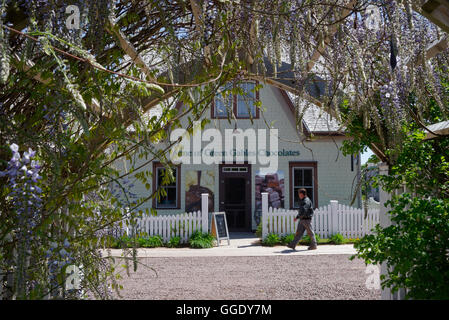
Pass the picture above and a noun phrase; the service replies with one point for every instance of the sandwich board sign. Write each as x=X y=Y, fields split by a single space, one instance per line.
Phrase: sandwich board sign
x=219 y=227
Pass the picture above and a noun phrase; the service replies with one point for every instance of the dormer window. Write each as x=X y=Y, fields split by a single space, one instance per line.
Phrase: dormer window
x=223 y=102
x=246 y=102
x=243 y=104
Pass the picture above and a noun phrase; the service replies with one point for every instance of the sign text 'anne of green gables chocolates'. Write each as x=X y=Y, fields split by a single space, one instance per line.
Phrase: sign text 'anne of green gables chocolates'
x=214 y=146
x=245 y=152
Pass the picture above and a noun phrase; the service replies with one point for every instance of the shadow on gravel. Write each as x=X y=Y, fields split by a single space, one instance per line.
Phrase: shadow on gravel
x=289 y=251
x=250 y=245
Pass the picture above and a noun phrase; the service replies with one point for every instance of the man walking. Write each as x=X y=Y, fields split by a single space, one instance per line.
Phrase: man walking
x=305 y=214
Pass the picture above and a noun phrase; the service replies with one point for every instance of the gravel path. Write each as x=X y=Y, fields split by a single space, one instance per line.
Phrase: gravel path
x=273 y=277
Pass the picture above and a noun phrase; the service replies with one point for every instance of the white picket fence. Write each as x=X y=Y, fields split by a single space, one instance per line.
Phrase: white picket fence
x=168 y=226
x=327 y=221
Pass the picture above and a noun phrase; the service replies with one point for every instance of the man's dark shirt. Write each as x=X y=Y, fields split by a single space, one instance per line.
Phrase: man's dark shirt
x=305 y=210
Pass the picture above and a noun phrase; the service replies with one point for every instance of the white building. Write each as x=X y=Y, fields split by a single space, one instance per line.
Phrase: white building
x=310 y=159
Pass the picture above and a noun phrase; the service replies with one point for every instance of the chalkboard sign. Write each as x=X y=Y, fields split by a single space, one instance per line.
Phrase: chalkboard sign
x=219 y=227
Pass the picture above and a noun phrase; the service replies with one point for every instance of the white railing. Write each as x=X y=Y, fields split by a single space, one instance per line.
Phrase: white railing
x=327 y=220
x=181 y=225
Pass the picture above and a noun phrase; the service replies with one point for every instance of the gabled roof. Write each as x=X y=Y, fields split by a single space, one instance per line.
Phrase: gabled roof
x=315 y=120
x=314 y=85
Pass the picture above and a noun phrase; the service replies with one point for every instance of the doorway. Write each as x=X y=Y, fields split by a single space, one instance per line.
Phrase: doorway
x=235 y=195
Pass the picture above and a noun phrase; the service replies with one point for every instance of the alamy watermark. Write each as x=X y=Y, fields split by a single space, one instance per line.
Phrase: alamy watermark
x=373 y=280
x=72 y=22
x=373 y=18
x=233 y=151
x=73 y=279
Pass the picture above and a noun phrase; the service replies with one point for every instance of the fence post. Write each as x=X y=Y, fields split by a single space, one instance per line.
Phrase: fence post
x=385 y=221
x=204 y=212
x=334 y=217
x=264 y=214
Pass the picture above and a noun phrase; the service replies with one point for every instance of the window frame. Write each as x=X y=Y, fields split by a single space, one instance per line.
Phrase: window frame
x=213 y=114
x=235 y=104
x=256 y=116
x=156 y=167
x=303 y=165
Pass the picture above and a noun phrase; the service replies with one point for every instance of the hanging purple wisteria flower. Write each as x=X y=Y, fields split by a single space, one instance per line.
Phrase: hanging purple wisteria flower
x=22 y=174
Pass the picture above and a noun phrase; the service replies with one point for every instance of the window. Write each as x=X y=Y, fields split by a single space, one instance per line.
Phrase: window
x=171 y=199
x=303 y=175
x=222 y=103
x=242 y=105
x=246 y=103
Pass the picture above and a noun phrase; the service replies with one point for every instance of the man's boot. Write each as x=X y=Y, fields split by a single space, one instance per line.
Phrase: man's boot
x=313 y=247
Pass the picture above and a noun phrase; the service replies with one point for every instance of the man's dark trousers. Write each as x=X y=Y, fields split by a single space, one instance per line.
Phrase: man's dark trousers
x=304 y=225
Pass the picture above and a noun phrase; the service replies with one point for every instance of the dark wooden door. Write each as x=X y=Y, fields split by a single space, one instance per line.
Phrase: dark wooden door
x=235 y=195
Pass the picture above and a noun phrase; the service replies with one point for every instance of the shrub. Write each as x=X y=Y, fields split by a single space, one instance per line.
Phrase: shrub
x=337 y=239
x=114 y=243
x=287 y=239
x=141 y=241
x=415 y=245
x=271 y=240
x=122 y=242
x=174 y=242
x=152 y=242
x=306 y=239
x=201 y=240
